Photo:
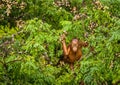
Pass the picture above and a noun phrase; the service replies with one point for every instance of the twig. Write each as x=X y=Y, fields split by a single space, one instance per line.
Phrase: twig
x=14 y=60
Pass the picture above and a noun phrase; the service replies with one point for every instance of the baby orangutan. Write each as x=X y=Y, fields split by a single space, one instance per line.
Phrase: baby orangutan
x=72 y=52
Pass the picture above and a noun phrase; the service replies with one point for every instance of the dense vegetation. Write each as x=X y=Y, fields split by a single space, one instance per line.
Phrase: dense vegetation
x=30 y=46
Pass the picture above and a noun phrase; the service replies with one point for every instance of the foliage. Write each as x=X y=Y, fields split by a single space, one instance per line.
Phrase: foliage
x=30 y=46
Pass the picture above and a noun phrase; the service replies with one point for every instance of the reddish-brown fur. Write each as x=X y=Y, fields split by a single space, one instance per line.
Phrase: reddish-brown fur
x=70 y=53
